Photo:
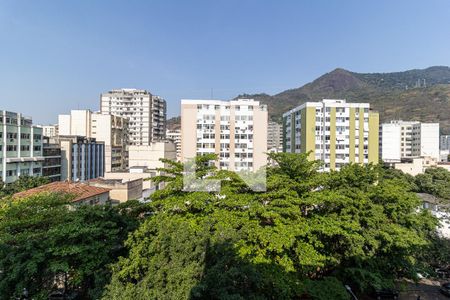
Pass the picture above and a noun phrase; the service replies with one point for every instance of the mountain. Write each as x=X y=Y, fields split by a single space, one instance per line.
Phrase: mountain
x=422 y=95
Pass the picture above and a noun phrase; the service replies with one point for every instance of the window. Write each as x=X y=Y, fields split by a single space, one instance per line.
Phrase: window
x=11 y=173
x=11 y=148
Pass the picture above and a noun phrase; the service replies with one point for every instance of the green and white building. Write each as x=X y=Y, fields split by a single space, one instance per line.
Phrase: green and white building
x=20 y=147
x=333 y=131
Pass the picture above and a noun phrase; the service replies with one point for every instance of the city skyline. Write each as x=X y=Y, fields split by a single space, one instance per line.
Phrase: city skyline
x=177 y=51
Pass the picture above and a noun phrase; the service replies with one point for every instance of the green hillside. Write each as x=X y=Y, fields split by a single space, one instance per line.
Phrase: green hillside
x=422 y=95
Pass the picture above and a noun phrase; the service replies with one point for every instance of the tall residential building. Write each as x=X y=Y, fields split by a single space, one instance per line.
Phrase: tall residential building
x=20 y=147
x=336 y=132
x=444 y=142
x=234 y=130
x=82 y=158
x=402 y=139
x=145 y=112
x=50 y=130
x=275 y=137
x=110 y=129
x=175 y=137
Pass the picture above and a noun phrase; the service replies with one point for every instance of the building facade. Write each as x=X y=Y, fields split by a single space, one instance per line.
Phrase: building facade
x=333 y=131
x=20 y=147
x=50 y=130
x=402 y=139
x=175 y=137
x=109 y=129
x=149 y=156
x=82 y=158
x=234 y=130
x=145 y=112
x=51 y=167
x=444 y=143
x=274 y=137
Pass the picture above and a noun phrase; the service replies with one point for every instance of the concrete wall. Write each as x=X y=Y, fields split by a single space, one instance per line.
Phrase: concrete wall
x=149 y=155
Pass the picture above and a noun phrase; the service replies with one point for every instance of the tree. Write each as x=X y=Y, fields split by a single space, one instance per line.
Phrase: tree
x=305 y=236
x=435 y=181
x=24 y=182
x=46 y=242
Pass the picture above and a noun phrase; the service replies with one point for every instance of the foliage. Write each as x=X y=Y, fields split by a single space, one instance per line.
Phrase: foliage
x=435 y=181
x=45 y=239
x=24 y=182
x=306 y=235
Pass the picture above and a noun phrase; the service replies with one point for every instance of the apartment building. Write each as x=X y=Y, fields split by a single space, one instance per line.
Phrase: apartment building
x=110 y=129
x=444 y=143
x=336 y=132
x=20 y=147
x=51 y=167
x=402 y=139
x=274 y=137
x=146 y=113
x=82 y=158
x=149 y=155
x=234 y=130
x=49 y=130
x=175 y=137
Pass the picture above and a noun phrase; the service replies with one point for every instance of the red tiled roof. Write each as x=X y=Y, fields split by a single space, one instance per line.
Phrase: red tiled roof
x=80 y=190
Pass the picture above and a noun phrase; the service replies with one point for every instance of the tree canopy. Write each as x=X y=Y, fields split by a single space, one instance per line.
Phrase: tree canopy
x=47 y=243
x=309 y=233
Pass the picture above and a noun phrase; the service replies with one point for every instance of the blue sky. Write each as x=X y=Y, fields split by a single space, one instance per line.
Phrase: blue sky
x=60 y=55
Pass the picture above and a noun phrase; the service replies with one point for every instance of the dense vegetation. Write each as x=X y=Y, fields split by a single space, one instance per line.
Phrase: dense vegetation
x=47 y=243
x=306 y=236
x=22 y=184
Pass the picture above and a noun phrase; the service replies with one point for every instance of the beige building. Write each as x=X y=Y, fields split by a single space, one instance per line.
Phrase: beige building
x=138 y=173
x=148 y=155
x=145 y=112
x=120 y=190
x=234 y=130
x=109 y=129
x=418 y=165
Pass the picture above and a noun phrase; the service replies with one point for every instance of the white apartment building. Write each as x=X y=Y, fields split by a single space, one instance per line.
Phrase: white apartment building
x=50 y=130
x=21 y=151
x=146 y=113
x=109 y=129
x=274 y=137
x=175 y=137
x=402 y=139
x=444 y=142
x=333 y=131
x=234 y=130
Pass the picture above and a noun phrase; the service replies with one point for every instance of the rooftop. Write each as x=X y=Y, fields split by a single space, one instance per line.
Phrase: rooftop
x=81 y=191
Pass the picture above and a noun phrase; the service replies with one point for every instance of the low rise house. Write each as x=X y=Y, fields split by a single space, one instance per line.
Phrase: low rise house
x=83 y=193
x=121 y=190
x=418 y=165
